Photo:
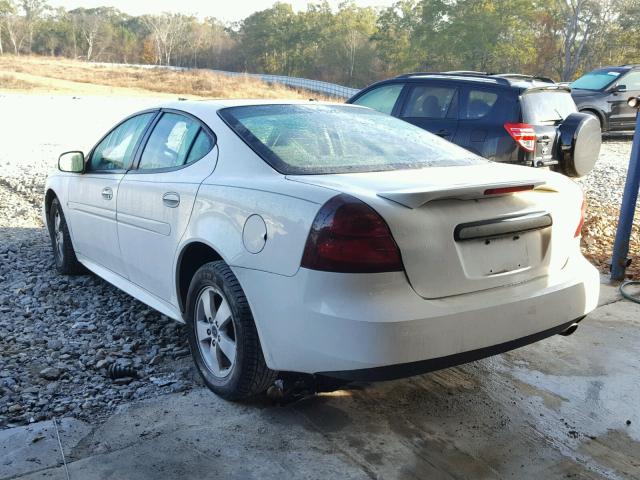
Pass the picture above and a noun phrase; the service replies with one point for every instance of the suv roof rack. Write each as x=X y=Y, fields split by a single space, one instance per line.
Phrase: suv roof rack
x=460 y=73
x=521 y=76
x=503 y=78
x=467 y=72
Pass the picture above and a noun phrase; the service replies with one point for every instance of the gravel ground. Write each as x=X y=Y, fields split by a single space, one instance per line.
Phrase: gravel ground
x=604 y=187
x=59 y=335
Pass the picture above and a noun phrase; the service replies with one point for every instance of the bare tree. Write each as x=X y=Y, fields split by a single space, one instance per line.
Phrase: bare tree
x=88 y=23
x=15 y=26
x=166 y=29
x=33 y=10
x=582 y=20
x=6 y=8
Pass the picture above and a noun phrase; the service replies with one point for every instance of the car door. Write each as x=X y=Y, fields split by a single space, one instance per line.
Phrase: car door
x=432 y=106
x=623 y=117
x=155 y=199
x=483 y=111
x=92 y=196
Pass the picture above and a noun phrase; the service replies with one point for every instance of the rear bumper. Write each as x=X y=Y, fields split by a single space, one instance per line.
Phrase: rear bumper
x=392 y=372
x=375 y=326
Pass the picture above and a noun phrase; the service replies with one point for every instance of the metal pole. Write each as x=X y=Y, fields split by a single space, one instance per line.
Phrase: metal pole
x=620 y=261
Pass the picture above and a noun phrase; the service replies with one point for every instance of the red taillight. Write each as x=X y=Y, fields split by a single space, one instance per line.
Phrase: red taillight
x=523 y=134
x=348 y=236
x=505 y=190
x=583 y=212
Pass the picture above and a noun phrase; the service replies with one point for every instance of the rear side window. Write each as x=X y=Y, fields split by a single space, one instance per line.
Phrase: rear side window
x=382 y=98
x=170 y=143
x=426 y=101
x=115 y=150
x=201 y=146
x=547 y=107
x=479 y=104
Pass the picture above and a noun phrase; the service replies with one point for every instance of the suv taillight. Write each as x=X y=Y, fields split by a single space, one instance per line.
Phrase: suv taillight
x=523 y=134
x=348 y=236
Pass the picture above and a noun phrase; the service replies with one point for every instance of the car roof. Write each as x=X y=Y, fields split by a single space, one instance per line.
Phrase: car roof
x=512 y=81
x=218 y=104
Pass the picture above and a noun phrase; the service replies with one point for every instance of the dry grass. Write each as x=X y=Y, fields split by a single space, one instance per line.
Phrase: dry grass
x=11 y=82
x=193 y=83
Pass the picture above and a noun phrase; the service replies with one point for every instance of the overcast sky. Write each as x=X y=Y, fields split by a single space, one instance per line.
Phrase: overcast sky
x=226 y=10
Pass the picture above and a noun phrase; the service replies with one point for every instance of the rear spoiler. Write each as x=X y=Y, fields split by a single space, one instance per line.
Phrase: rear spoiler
x=545 y=88
x=414 y=198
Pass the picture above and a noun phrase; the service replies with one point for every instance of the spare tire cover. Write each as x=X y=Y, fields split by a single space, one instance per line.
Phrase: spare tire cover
x=579 y=143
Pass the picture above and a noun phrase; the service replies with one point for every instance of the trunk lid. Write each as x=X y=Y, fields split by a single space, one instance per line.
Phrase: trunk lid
x=453 y=238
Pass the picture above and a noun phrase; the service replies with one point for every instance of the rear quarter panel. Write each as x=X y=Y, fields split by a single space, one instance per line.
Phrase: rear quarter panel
x=243 y=185
x=221 y=211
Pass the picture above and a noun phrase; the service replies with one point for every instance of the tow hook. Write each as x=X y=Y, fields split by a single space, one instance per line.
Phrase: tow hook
x=572 y=328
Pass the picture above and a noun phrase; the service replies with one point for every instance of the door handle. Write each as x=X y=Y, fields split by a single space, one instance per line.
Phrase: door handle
x=443 y=133
x=107 y=193
x=171 y=199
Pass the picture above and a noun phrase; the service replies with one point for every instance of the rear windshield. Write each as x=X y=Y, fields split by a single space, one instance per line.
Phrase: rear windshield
x=596 y=80
x=547 y=106
x=317 y=139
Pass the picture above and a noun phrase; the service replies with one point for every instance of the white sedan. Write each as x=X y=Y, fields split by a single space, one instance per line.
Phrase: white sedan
x=322 y=239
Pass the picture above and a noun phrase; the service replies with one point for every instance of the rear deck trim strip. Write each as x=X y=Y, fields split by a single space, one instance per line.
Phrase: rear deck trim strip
x=498 y=227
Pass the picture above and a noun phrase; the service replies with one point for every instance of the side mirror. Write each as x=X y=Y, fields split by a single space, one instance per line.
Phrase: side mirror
x=72 y=162
x=619 y=89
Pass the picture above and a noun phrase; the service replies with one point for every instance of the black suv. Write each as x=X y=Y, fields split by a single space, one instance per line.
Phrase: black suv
x=604 y=92
x=505 y=118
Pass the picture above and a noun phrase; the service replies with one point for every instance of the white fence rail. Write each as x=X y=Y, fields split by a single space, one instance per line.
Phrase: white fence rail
x=317 y=86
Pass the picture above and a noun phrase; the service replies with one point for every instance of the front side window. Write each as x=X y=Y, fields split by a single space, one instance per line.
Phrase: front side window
x=170 y=144
x=317 y=139
x=115 y=150
x=426 y=101
x=382 y=98
x=631 y=81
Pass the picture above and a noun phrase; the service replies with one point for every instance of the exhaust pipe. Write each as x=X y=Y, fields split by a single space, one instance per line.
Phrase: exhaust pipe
x=572 y=328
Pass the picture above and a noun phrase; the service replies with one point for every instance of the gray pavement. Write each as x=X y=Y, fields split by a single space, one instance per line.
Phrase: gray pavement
x=561 y=408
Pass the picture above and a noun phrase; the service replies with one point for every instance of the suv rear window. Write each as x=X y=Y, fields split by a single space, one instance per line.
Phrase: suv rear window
x=317 y=139
x=544 y=106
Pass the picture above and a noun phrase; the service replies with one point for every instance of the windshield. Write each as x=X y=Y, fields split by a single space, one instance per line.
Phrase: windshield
x=316 y=139
x=596 y=80
x=546 y=106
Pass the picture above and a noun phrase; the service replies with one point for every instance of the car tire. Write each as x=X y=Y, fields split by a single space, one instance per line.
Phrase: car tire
x=64 y=256
x=222 y=335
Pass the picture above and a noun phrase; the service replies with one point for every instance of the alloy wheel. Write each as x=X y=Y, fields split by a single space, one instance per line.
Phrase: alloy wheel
x=215 y=331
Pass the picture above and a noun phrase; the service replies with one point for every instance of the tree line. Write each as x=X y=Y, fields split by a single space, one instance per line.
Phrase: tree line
x=350 y=45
